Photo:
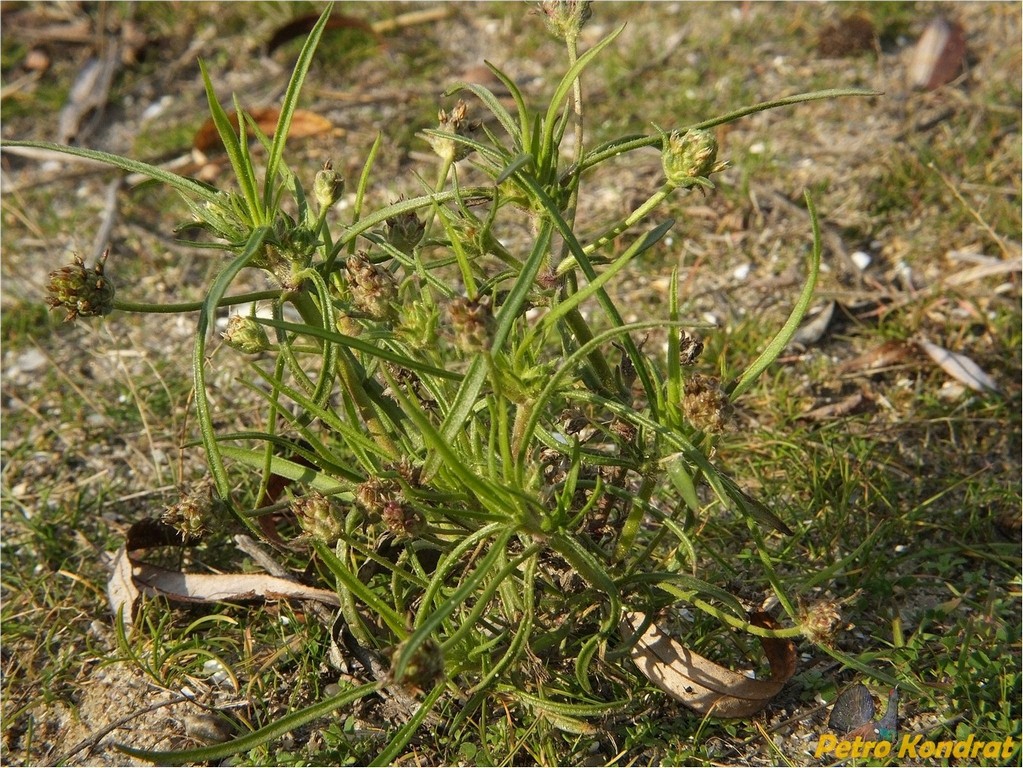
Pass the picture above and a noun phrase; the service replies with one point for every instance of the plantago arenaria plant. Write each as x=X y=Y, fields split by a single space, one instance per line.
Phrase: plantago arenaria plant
x=485 y=464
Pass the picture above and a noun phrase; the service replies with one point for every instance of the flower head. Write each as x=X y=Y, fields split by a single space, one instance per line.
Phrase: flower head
x=457 y=123
x=404 y=231
x=246 y=335
x=471 y=321
x=372 y=287
x=318 y=517
x=328 y=186
x=704 y=404
x=80 y=290
x=192 y=515
x=689 y=158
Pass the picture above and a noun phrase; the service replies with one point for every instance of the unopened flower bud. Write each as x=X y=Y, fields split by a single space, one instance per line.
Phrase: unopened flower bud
x=455 y=122
x=373 y=288
x=246 y=335
x=328 y=186
x=426 y=667
x=704 y=404
x=689 y=158
x=565 y=17
x=81 y=291
x=471 y=322
x=404 y=231
x=318 y=517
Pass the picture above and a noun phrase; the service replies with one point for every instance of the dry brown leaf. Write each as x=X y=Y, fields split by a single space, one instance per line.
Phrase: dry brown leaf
x=873 y=360
x=131 y=577
x=303 y=123
x=938 y=56
x=835 y=410
x=702 y=685
x=959 y=367
x=121 y=590
x=220 y=587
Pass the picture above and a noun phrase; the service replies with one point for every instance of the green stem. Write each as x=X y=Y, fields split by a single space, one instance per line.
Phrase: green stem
x=582 y=332
x=622 y=226
x=192 y=306
x=350 y=378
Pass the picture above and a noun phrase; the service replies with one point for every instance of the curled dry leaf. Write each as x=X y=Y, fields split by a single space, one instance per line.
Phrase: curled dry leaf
x=959 y=367
x=702 y=685
x=132 y=577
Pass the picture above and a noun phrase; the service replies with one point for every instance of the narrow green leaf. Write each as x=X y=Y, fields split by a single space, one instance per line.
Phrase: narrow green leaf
x=187 y=187
x=290 y=102
x=788 y=330
x=257 y=738
x=520 y=104
x=622 y=145
x=524 y=283
x=243 y=171
x=292 y=470
x=440 y=613
x=519 y=161
x=408 y=730
x=361 y=345
x=565 y=87
x=352 y=582
x=492 y=103
x=583 y=661
x=207 y=318
x=490 y=495
x=564 y=307
x=454 y=421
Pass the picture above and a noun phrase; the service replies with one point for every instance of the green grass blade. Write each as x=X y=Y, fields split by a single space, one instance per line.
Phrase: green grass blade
x=788 y=330
x=257 y=738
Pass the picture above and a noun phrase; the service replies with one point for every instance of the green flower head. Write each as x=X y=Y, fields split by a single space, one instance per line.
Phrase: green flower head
x=80 y=290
